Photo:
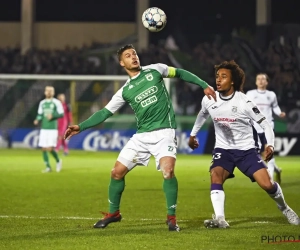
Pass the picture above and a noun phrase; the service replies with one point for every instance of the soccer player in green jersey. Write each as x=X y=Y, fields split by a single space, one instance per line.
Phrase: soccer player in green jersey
x=50 y=109
x=146 y=93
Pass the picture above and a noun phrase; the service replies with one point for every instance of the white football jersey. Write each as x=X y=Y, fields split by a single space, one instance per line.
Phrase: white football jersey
x=266 y=101
x=233 y=119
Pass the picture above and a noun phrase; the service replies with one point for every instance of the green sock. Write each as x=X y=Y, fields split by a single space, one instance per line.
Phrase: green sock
x=55 y=155
x=170 y=187
x=115 y=190
x=46 y=159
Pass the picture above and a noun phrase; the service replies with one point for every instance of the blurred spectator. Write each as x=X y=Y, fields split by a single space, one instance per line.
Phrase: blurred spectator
x=280 y=62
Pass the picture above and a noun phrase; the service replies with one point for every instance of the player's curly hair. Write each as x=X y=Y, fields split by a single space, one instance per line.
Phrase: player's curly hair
x=265 y=74
x=238 y=75
x=122 y=49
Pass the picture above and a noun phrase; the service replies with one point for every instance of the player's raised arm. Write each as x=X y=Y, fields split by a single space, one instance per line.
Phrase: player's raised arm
x=200 y=120
x=192 y=78
x=98 y=117
x=186 y=76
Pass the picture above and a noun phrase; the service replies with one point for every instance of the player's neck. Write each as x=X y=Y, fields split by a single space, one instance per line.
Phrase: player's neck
x=226 y=95
x=261 y=89
x=133 y=73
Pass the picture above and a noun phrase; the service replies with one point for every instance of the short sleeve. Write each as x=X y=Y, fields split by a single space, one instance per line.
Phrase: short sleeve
x=116 y=101
x=163 y=69
x=40 y=109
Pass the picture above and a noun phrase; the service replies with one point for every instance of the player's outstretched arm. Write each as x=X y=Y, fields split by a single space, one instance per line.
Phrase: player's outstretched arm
x=100 y=116
x=254 y=113
x=94 y=120
x=192 y=78
x=71 y=130
x=270 y=137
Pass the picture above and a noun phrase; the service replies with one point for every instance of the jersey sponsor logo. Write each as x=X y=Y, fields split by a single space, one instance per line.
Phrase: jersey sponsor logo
x=149 y=77
x=137 y=83
x=256 y=110
x=149 y=101
x=150 y=91
x=221 y=119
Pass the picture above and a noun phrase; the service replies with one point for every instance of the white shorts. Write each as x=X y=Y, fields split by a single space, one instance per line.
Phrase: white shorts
x=140 y=147
x=48 y=138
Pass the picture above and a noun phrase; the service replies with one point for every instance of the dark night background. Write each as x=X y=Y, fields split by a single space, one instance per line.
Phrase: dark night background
x=234 y=12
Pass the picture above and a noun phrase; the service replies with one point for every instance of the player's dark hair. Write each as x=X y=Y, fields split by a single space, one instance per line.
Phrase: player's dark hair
x=122 y=49
x=267 y=77
x=237 y=74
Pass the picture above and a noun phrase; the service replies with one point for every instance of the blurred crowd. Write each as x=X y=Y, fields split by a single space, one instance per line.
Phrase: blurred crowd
x=279 y=61
x=66 y=61
x=282 y=65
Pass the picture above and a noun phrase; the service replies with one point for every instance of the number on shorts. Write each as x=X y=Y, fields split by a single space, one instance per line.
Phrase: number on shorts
x=170 y=148
x=217 y=156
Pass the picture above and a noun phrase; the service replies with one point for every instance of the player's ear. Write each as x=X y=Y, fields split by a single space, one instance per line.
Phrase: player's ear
x=122 y=63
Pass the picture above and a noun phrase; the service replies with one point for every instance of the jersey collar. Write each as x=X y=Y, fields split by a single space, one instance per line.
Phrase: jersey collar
x=131 y=78
x=227 y=98
x=261 y=91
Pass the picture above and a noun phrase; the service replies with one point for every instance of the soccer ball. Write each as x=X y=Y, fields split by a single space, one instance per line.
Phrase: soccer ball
x=154 y=19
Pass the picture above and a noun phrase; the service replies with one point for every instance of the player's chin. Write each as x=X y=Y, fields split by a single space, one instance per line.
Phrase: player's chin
x=135 y=66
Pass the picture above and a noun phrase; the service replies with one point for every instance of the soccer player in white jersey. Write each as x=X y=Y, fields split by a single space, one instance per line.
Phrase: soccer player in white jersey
x=147 y=95
x=266 y=101
x=50 y=109
x=233 y=115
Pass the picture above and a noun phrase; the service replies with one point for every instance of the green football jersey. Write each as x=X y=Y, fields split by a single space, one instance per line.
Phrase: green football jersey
x=147 y=95
x=49 y=106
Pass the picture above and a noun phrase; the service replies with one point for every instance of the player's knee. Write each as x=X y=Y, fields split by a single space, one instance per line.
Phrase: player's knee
x=216 y=176
x=167 y=166
x=118 y=172
x=268 y=185
x=168 y=173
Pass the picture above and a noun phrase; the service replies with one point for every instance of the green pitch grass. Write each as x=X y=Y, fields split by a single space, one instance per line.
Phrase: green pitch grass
x=58 y=210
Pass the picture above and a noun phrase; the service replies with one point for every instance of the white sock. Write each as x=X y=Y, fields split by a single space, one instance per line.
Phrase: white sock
x=278 y=197
x=218 y=199
x=271 y=168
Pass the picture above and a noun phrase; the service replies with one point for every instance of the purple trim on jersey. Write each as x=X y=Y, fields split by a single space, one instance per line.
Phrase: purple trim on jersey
x=263 y=141
x=255 y=137
x=216 y=187
x=247 y=161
